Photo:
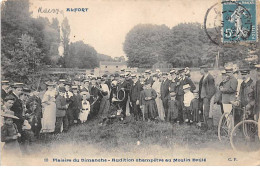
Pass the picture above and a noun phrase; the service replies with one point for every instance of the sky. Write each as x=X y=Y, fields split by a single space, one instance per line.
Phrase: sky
x=107 y=22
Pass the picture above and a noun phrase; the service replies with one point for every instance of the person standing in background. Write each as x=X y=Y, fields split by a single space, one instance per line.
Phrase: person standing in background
x=157 y=87
x=164 y=91
x=49 y=109
x=207 y=90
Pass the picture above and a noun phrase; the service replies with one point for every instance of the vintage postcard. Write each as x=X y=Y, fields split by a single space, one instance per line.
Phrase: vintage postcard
x=130 y=83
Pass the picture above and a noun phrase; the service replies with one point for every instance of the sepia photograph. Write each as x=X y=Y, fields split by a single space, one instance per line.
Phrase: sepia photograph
x=130 y=83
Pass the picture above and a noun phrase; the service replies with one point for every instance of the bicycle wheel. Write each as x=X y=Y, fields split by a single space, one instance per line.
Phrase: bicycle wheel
x=244 y=136
x=225 y=127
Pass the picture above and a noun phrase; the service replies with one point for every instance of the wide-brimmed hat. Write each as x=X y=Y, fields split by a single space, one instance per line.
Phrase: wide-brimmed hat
x=9 y=97
x=9 y=114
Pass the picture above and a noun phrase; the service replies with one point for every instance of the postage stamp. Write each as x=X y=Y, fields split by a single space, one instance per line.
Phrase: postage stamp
x=239 y=21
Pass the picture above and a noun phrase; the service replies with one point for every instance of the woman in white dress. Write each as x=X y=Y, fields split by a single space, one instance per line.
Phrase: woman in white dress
x=157 y=87
x=49 y=109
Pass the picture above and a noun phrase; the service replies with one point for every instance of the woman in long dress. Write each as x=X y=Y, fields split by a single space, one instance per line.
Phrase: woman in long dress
x=157 y=87
x=49 y=109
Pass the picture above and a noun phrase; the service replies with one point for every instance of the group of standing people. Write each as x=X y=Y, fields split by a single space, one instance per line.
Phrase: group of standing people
x=172 y=97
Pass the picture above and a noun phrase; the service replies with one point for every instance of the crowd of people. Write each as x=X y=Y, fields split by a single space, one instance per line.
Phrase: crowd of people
x=151 y=96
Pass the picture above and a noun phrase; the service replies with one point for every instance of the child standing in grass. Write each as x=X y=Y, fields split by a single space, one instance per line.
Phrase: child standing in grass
x=61 y=106
x=194 y=106
x=9 y=135
x=188 y=97
x=147 y=102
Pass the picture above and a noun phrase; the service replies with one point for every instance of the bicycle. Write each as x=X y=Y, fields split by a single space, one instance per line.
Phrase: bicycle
x=244 y=135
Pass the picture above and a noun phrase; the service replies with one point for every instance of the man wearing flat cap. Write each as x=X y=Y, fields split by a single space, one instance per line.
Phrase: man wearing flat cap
x=207 y=90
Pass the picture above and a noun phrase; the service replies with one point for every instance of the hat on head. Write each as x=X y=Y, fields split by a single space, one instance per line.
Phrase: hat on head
x=50 y=83
x=229 y=69
x=26 y=90
x=257 y=67
x=147 y=72
x=17 y=85
x=104 y=75
x=9 y=97
x=62 y=80
x=244 y=71
x=74 y=87
x=181 y=70
x=164 y=74
x=62 y=89
x=9 y=114
x=93 y=78
x=172 y=71
x=5 y=82
x=98 y=78
x=133 y=75
x=122 y=70
x=223 y=72
x=187 y=86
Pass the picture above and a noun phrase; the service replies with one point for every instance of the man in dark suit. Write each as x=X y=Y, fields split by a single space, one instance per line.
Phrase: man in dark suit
x=135 y=91
x=123 y=85
x=165 y=92
x=17 y=107
x=206 y=91
x=180 y=93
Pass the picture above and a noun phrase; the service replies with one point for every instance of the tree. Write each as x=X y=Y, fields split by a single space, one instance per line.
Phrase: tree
x=81 y=56
x=25 y=60
x=143 y=45
x=65 y=32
